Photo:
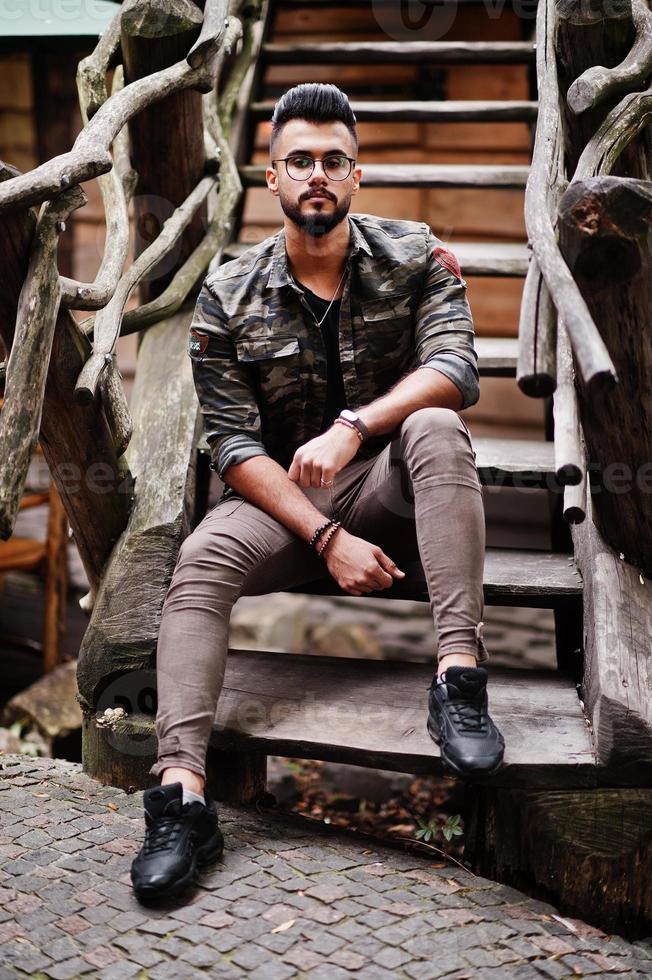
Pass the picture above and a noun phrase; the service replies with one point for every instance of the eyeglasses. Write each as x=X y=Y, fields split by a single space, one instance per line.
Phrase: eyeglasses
x=301 y=167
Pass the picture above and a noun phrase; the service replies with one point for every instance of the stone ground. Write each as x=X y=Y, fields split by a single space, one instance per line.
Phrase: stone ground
x=288 y=900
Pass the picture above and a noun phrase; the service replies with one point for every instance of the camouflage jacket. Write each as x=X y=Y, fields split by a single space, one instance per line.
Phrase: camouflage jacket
x=258 y=356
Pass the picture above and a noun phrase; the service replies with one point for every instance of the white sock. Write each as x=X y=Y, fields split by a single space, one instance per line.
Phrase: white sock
x=190 y=797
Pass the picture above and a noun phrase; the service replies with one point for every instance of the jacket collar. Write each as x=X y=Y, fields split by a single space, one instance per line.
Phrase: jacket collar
x=280 y=274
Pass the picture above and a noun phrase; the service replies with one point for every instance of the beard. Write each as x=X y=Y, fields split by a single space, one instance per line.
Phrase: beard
x=317 y=223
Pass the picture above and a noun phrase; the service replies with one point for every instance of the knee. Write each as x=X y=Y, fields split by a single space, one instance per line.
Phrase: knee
x=432 y=421
x=193 y=549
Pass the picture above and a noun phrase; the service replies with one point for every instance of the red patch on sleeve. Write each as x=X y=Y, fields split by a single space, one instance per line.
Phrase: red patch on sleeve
x=197 y=343
x=448 y=260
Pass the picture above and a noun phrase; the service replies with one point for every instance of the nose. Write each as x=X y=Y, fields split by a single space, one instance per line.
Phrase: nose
x=321 y=173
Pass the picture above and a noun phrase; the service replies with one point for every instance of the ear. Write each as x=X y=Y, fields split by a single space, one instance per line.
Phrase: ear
x=271 y=176
x=357 y=176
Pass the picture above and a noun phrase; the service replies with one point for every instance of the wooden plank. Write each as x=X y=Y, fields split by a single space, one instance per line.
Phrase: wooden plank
x=501 y=462
x=512 y=577
x=124 y=625
x=373 y=713
x=504 y=259
x=475 y=258
x=21 y=554
x=618 y=667
x=497 y=356
x=588 y=851
x=448 y=110
x=401 y=52
x=422 y=175
x=530 y=578
x=515 y=462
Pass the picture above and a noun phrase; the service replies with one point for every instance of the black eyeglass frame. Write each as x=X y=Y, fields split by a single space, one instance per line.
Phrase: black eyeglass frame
x=315 y=160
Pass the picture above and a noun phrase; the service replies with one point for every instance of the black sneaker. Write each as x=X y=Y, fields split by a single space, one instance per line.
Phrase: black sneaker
x=459 y=722
x=179 y=838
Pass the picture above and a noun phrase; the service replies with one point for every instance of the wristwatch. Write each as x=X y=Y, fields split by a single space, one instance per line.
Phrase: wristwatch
x=355 y=420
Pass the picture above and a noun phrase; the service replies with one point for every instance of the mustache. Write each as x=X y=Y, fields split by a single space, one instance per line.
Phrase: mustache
x=325 y=194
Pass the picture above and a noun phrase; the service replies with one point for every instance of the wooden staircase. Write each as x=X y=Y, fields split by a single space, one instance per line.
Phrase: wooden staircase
x=548 y=741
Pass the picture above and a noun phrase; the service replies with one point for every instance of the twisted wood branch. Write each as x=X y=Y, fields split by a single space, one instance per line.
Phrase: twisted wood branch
x=597 y=83
x=592 y=355
x=28 y=363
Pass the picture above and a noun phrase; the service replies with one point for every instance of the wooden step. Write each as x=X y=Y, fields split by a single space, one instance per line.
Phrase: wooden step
x=505 y=259
x=373 y=713
x=445 y=110
x=525 y=463
x=512 y=577
x=401 y=52
x=423 y=175
x=497 y=356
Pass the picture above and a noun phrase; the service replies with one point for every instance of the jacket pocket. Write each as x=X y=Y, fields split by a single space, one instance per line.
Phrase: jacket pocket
x=394 y=307
x=276 y=365
x=265 y=348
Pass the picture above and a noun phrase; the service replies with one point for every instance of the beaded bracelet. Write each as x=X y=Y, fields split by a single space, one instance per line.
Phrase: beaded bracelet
x=313 y=539
x=351 y=426
x=329 y=534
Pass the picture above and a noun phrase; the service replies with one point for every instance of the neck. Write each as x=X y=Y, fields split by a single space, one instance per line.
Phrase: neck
x=324 y=255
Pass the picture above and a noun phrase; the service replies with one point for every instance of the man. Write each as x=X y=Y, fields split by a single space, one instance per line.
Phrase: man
x=340 y=455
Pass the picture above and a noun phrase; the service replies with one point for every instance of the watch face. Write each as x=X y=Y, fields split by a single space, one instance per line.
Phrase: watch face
x=346 y=413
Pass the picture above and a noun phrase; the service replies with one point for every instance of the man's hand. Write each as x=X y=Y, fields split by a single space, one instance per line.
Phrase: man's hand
x=324 y=456
x=358 y=566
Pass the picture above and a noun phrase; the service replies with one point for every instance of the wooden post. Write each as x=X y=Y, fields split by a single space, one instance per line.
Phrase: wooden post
x=76 y=442
x=587 y=851
x=236 y=777
x=167 y=145
x=167 y=138
x=604 y=231
x=56 y=582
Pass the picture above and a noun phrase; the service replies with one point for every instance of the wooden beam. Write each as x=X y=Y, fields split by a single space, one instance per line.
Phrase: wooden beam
x=425 y=175
x=512 y=577
x=373 y=713
x=154 y=35
x=400 y=52
x=77 y=444
x=448 y=110
x=618 y=668
x=588 y=851
x=123 y=629
x=604 y=231
x=29 y=358
x=548 y=170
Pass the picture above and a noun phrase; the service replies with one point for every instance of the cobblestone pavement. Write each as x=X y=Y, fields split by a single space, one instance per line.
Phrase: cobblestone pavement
x=287 y=901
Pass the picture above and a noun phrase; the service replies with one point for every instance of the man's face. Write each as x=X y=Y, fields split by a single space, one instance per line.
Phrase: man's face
x=317 y=203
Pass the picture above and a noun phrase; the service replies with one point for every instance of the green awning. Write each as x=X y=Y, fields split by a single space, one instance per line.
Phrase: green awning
x=56 y=18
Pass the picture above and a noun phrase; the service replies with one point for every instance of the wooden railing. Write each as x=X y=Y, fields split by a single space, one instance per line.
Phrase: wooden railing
x=102 y=151
x=557 y=329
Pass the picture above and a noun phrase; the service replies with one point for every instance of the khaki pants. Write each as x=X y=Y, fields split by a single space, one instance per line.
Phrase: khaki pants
x=419 y=499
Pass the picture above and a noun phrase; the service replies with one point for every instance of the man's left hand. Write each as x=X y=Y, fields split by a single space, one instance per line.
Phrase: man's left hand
x=324 y=456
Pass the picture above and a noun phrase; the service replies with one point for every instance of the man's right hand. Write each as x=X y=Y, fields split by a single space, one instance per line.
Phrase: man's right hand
x=357 y=565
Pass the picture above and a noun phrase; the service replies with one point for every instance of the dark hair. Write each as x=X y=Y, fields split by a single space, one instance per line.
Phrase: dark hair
x=315 y=102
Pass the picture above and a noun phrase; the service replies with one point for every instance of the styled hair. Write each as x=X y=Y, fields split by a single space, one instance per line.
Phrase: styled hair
x=316 y=102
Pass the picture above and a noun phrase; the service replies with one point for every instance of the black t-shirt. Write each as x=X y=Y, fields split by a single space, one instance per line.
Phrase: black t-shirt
x=335 y=394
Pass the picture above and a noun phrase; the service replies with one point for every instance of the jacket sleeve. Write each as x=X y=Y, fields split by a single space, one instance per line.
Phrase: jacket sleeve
x=444 y=329
x=225 y=388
